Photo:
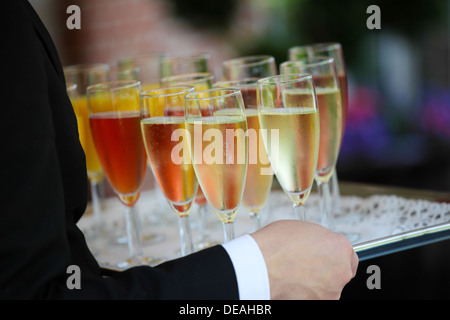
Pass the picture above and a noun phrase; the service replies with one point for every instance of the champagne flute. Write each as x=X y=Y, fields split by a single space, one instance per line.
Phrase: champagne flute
x=125 y=73
x=259 y=172
x=287 y=106
x=333 y=50
x=114 y=118
x=78 y=77
x=86 y=75
x=200 y=81
x=193 y=63
x=258 y=66
x=216 y=123
x=329 y=101
x=162 y=124
x=148 y=68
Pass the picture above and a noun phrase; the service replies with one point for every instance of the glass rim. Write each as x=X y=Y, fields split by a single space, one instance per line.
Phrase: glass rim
x=187 y=57
x=317 y=46
x=284 y=78
x=113 y=85
x=84 y=67
x=153 y=92
x=124 y=68
x=194 y=95
x=252 y=60
x=143 y=56
x=239 y=83
x=315 y=61
x=189 y=76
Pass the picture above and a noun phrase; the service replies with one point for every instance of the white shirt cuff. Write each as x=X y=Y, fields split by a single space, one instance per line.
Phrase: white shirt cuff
x=250 y=268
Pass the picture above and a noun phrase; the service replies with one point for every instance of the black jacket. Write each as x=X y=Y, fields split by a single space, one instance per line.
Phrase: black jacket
x=43 y=188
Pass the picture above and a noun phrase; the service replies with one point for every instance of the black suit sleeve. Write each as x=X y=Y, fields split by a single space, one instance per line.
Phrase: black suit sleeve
x=43 y=190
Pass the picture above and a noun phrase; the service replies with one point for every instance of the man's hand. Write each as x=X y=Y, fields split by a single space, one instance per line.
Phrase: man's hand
x=305 y=260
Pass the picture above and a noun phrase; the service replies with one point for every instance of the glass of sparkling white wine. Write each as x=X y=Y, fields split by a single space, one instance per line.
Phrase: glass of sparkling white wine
x=329 y=101
x=218 y=144
x=243 y=73
x=288 y=110
x=335 y=51
x=258 y=183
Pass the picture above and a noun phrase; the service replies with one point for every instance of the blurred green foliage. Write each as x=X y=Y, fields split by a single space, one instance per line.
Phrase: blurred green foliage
x=344 y=21
x=295 y=22
x=211 y=15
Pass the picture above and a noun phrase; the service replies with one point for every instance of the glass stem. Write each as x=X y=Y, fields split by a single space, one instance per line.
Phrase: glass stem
x=335 y=193
x=133 y=237
x=187 y=246
x=256 y=218
x=325 y=205
x=228 y=231
x=204 y=232
x=95 y=194
x=299 y=211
